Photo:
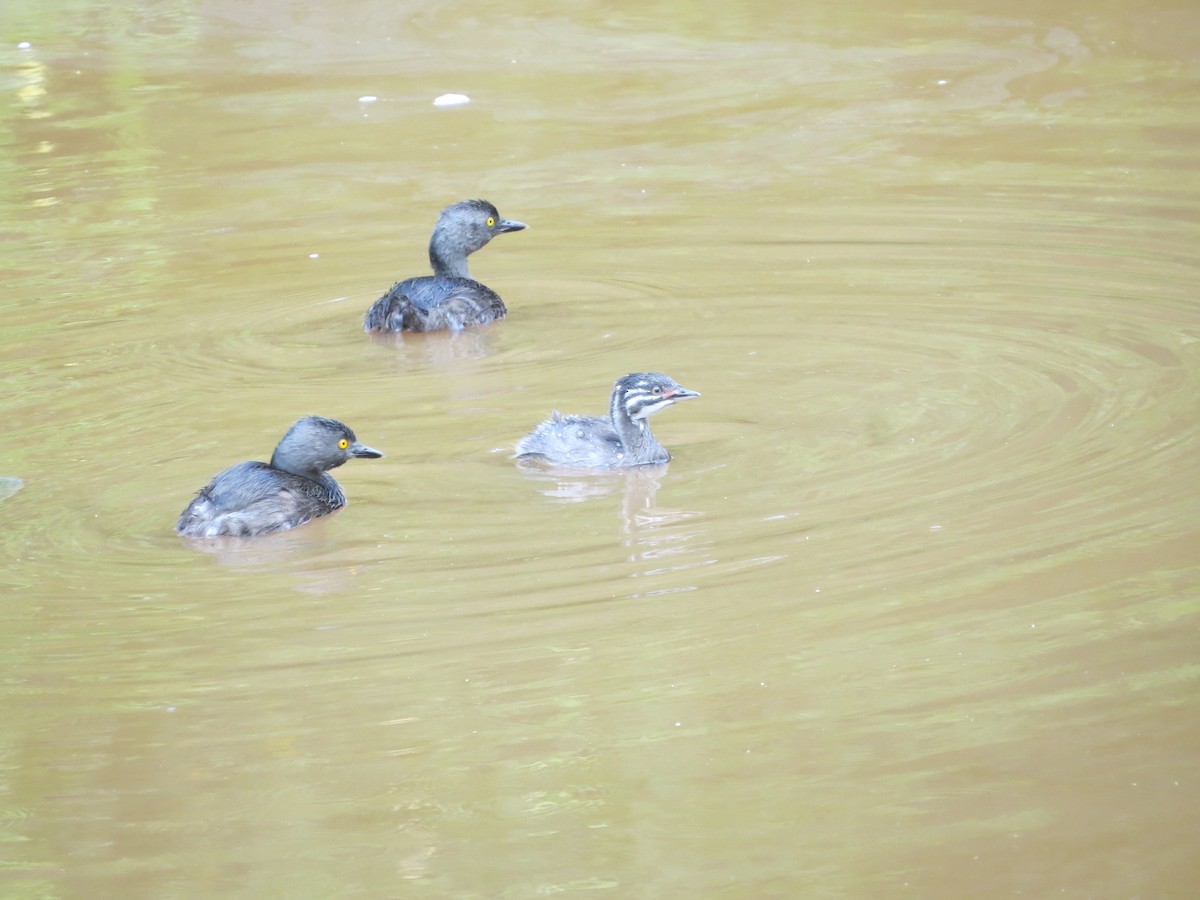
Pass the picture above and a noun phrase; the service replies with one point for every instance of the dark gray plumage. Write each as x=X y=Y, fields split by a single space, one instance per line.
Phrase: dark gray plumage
x=622 y=439
x=450 y=297
x=253 y=498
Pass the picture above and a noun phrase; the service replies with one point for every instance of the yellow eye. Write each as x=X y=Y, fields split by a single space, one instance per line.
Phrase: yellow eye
x=343 y=443
x=491 y=221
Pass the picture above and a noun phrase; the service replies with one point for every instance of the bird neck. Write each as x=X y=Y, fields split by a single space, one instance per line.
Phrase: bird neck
x=636 y=438
x=447 y=262
x=282 y=460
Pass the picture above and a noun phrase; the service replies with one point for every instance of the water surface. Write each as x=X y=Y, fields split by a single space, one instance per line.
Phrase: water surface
x=914 y=607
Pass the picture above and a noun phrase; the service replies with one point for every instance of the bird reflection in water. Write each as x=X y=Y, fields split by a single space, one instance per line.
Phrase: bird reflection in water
x=306 y=553
x=444 y=349
x=651 y=532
